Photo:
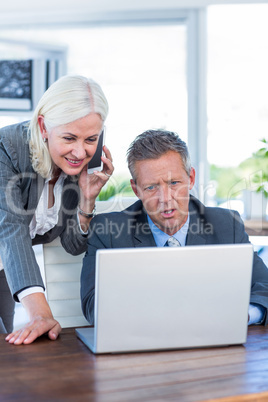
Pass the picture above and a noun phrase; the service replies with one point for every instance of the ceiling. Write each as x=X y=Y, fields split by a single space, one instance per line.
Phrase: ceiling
x=14 y=13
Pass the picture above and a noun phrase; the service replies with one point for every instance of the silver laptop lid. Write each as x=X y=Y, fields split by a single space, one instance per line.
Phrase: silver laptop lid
x=168 y=298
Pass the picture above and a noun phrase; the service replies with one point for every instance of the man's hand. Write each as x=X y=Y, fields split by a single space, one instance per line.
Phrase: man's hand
x=41 y=321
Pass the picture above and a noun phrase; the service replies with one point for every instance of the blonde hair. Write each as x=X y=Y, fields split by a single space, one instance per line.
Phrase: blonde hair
x=68 y=99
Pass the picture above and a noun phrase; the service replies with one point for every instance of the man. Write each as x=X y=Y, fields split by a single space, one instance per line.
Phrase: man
x=162 y=178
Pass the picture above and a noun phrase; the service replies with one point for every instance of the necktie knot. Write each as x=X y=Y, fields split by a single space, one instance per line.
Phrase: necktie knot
x=172 y=242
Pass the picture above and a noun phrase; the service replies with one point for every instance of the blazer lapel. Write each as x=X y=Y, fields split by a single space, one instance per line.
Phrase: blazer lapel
x=35 y=191
x=70 y=193
x=196 y=234
x=143 y=236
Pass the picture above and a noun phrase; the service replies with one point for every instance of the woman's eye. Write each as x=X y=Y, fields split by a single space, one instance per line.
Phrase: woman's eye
x=68 y=138
x=90 y=140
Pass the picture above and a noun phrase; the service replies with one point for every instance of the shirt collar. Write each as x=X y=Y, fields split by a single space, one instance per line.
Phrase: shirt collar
x=62 y=176
x=161 y=237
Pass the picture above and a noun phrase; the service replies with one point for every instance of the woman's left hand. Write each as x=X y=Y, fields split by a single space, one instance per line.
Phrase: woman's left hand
x=91 y=184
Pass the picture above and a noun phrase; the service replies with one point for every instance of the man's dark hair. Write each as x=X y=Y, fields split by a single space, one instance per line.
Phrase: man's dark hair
x=152 y=144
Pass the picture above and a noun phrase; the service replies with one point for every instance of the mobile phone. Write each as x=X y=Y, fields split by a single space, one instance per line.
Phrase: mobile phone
x=96 y=163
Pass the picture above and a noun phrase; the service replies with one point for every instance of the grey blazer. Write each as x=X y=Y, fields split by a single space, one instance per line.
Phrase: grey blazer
x=130 y=228
x=20 y=190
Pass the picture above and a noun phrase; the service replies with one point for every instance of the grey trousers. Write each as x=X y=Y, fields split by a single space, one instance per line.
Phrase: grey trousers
x=7 y=306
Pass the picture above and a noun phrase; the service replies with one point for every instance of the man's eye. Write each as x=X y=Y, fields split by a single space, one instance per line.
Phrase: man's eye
x=150 y=188
x=68 y=138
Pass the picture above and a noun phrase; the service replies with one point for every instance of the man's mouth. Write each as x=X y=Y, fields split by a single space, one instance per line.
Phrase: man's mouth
x=167 y=213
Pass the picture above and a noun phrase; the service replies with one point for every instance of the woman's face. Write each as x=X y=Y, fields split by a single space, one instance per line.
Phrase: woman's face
x=71 y=146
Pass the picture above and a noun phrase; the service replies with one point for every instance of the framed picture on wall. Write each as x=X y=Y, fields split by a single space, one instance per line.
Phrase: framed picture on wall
x=16 y=85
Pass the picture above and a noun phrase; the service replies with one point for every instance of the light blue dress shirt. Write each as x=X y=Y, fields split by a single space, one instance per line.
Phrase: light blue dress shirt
x=255 y=311
x=161 y=237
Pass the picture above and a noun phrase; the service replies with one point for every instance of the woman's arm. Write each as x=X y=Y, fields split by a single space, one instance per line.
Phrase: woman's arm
x=41 y=321
x=19 y=187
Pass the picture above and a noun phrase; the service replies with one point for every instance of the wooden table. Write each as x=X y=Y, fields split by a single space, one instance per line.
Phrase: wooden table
x=65 y=370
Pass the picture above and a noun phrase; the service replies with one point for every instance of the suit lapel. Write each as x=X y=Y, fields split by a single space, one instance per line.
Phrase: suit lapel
x=70 y=193
x=196 y=234
x=143 y=236
x=35 y=191
x=195 y=239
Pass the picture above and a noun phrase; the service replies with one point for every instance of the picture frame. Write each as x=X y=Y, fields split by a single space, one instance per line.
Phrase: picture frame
x=16 y=85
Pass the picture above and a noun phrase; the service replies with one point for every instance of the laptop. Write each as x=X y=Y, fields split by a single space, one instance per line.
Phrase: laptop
x=170 y=298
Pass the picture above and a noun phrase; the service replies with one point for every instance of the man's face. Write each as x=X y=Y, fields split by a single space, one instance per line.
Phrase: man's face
x=163 y=186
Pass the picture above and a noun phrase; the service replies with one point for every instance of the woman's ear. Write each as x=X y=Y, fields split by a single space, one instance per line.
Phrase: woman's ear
x=42 y=127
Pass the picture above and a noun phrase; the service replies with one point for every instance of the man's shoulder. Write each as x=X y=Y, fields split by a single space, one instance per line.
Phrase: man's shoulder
x=131 y=212
x=211 y=212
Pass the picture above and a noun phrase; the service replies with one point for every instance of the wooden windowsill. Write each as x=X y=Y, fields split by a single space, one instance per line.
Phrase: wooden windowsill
x=256 y=227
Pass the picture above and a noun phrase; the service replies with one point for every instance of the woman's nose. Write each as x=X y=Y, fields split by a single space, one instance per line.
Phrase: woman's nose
x=79 y=151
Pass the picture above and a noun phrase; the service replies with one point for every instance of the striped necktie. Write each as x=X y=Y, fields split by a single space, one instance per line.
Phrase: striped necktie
x=172 y=242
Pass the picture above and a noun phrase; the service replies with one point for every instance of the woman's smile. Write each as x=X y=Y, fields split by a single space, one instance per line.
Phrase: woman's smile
x=72 y=145
x=75 y=163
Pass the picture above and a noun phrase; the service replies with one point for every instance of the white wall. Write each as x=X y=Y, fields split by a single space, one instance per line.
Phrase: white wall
x=17 y=12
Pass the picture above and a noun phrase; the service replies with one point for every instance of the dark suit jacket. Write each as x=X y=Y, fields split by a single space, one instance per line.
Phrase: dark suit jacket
x=130 y=228
x=20 y=190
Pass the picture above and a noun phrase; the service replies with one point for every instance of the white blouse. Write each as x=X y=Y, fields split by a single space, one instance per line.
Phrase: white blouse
x=46 y=218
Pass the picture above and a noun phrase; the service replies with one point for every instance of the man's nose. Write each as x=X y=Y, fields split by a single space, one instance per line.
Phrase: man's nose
x=164 y=194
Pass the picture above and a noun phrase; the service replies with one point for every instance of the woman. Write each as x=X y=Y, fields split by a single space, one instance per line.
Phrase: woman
x=45 y=192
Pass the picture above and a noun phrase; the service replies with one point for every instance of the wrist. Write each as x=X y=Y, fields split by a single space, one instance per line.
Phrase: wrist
x=29 y=291
x=85 y=213
x=35 y=305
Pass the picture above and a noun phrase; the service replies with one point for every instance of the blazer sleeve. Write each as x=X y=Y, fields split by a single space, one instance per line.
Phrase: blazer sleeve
x=72 y=239
x=16 y=250
x=98 y=239
x=259 y=284
x=20 y=188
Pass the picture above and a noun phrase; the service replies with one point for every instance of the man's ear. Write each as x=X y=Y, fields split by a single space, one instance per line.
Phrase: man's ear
x=134 y=187
x=192 y=178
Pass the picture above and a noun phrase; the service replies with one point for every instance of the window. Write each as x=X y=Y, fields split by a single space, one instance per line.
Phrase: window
x=237 y=93
x=142 y=70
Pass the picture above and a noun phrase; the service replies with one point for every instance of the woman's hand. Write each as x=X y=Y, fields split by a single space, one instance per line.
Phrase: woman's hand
x=41 y=321
x=91 y=184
